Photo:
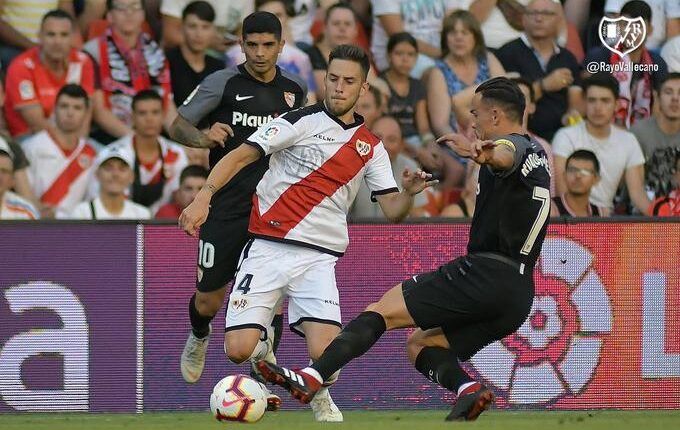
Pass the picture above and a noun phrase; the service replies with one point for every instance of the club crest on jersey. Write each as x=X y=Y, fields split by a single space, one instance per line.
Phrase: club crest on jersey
x=289 y=98
x=269 y=133
x=84 y=161
x=363 y=148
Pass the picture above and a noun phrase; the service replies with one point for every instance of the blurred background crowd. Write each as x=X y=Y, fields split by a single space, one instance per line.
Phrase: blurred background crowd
x=79 y=76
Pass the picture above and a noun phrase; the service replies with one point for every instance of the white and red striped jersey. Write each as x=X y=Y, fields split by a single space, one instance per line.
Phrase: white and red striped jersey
x=317 y=164
x=13 y=206
x=59 y=177
x=173 y=160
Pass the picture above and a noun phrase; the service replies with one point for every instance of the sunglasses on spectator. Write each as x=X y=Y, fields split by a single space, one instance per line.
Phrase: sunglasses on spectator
x=582 y=172
x=545 y=13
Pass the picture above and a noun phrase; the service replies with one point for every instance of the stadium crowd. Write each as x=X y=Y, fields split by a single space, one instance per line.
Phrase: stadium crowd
x=90 y=89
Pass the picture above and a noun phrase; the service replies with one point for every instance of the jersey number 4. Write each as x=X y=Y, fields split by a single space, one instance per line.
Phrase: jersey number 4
x=542 y=195
x=244 y=285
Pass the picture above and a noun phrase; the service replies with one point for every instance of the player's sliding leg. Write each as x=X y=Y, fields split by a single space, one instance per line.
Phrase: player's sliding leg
x=202 y=309
x=318 y=337
x=275 y=332
x=353 y=341
x=429 y=351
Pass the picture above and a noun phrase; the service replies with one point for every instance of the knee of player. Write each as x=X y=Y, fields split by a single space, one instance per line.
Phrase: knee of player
x=374 y=307
x=236 y=351
x=414 y=345
x=207 y=305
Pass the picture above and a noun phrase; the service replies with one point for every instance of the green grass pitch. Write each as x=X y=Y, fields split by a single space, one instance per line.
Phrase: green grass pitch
x=371 y=420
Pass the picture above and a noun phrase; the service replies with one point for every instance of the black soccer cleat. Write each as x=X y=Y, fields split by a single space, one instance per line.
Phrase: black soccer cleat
x=301 y=385
x=474 y=400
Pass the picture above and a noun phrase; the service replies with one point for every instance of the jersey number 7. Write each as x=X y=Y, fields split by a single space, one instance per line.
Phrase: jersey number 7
x=542 y=195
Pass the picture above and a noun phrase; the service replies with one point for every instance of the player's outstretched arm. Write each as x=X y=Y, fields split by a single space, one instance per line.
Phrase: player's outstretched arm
x=499 y=154
x=194 y=215
x=184 y=132
x=396 y=206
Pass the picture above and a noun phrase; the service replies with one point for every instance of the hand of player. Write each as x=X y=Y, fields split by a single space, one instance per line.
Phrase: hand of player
x=482 y=150
x=219 y=132
x=194 y=215
x=415 y=182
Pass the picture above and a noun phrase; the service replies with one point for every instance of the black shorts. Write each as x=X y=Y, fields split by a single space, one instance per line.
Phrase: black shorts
x=220 y=246
x=475 y=300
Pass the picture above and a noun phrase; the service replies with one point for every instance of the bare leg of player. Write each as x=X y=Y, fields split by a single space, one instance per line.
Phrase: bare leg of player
x=203 y=307
x=318 y=337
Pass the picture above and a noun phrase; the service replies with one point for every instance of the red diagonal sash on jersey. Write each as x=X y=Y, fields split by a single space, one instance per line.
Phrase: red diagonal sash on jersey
x=299 y=199
x=62 y=184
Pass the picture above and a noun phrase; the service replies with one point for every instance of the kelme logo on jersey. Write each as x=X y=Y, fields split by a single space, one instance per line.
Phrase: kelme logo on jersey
x=245 y=120
x=533 y=161
x=363 y=148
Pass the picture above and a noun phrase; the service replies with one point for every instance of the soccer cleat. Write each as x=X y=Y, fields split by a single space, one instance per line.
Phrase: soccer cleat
x=325 y=410
x=193 y=357
x=273 y=401
x=301 y=385
x=474 y=400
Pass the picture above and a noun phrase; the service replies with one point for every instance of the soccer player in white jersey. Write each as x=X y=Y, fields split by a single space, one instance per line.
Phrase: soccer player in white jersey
x=319 y=156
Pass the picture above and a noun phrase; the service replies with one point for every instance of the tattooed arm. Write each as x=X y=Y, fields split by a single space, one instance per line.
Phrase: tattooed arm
x=182 y=131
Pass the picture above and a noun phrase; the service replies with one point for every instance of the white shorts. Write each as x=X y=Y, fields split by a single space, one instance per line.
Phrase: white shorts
x=268 y=271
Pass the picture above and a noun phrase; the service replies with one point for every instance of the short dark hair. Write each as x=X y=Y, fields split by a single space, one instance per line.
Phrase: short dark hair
x=201 y=9
x=109 y=4
x=637 y=8
x=526 y=83
x=403 y=37
x=351 y=53
x=74 y=91
x=506 y=94
x=146 y=95
x=339 y=5
x=193 y=171
x=287 y=5
x=584 y=154
x=604 y=80
x=261 y=22
x=668 y=77
x=57 y=14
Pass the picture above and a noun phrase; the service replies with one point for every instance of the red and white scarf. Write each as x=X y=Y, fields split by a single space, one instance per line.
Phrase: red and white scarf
x=635 y=101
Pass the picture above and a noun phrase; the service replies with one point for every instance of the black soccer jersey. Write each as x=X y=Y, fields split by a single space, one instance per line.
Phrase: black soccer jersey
x=232 y=96
x=511 y=213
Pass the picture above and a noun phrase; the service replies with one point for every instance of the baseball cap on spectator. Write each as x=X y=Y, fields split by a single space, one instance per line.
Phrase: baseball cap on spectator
x=114 y=152
x=4 y=147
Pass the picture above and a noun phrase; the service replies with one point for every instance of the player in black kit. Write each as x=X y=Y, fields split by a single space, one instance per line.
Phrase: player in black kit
x=234 y=102
x=475 y=299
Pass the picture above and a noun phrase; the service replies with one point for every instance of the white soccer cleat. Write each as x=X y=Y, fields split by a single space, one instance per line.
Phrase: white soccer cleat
x=273 y=401
x=193 y=357
x=325 y=411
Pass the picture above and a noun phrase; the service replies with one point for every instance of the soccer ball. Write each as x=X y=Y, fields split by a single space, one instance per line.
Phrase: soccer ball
x=238 y=398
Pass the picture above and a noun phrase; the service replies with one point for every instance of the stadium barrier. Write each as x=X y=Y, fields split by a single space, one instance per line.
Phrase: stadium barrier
x=93 y=317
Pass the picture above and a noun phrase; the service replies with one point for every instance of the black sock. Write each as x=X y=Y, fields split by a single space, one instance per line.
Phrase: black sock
x=353 y=341
x=441 y=365
x=277 y=323
x=200 y=324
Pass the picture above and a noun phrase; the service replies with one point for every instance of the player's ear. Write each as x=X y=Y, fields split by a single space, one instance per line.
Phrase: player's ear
x=281 y=43
x=364 y=88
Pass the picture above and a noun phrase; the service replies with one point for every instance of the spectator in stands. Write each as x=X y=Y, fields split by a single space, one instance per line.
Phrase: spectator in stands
x=659 y=136
x=191 y=180
x=114 y=176
x=423 y=19
x=128 y=61
x=551 y=70
x=617 y=150
x=671 y=54
x=530 y=109
x=371 y=106
x=636 y=88
x=228 y=17
x=669 y=204
x=35 y=77
x=12 y=206
x=22 y=185
x=340 y=28
x=465 y=207
x=60 y=157
x=664 y=23
x=302 y=19
x=189 y=63
x=157 y=162
x=387 y=128
x=581 y=175
x=465 y=63
x=291 y=58
x=19 y=27
x=407 y=96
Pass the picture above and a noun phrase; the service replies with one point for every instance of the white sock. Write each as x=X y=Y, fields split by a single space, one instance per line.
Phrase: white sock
x=464 y=386
x=260 y=351
x=312 y=372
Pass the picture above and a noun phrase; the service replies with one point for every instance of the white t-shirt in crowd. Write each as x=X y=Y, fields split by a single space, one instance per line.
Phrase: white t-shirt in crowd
x=228 y=13
x=131 y=210
x=671 y=53
x=662 y=10
x=422 y=18
x=619 y=152
x=496 y=30
x=301 y=24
